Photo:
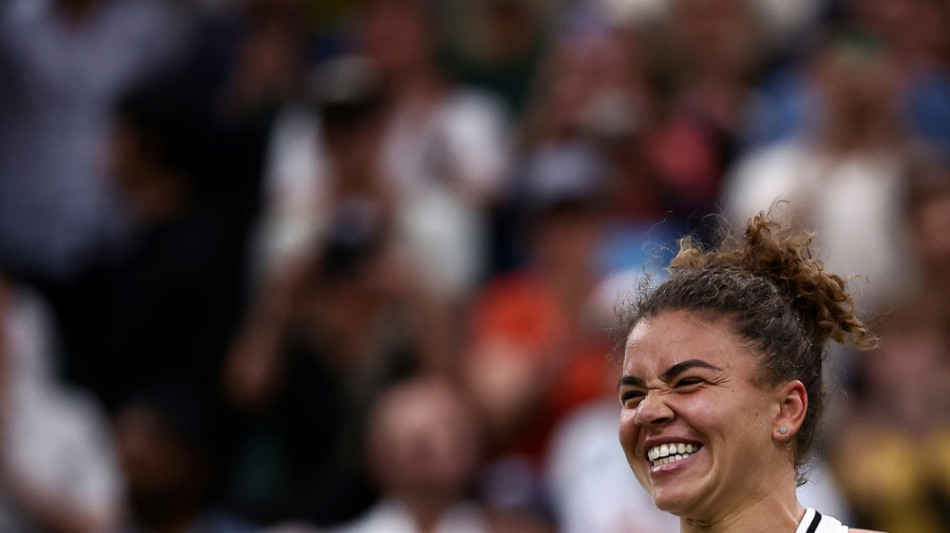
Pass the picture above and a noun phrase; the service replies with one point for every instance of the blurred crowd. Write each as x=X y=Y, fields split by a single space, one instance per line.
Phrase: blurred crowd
x=353 y=265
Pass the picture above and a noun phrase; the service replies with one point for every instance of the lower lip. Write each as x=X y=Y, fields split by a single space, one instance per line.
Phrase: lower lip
x=672 y=468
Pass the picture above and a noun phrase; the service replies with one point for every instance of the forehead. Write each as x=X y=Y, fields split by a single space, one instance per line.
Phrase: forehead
x=659 y=342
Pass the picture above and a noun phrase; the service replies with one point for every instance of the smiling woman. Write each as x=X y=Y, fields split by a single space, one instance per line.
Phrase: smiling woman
x=722 y=381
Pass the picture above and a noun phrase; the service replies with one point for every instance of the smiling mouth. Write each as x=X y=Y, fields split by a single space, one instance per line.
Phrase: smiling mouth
x=671 y=452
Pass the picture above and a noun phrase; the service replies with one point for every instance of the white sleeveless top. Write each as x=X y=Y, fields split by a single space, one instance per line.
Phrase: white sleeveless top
x=815 y=522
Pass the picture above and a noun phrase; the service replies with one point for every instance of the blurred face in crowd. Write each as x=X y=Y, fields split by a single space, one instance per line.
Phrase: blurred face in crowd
x=717 y=35
x=906 y=358
x=859 y=82
x=932 y=232
x=395 y=36
x=695 y=427
x=593 y=77
x=271 y=46
x=566 y=239
x=423 y=441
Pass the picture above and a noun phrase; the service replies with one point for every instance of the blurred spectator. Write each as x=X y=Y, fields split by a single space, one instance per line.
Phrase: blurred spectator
x=530 y=355
x=928 y=215
x=166 y=439
x=591 y=82
x=59 y=470
x=444 y=149
x=437 y=163
x=323 y=153
x=848 y=179
x=716 y=50
x=916 y=31
x=498 y=46
x=915 y=34
x=595 y=97
x=63 y=64
x=247 y=63
x=898 y=423
x=310 y=360
x=423 y=449
x=169 y=304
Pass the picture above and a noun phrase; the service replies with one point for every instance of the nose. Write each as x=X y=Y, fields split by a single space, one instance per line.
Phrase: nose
x=653 y=410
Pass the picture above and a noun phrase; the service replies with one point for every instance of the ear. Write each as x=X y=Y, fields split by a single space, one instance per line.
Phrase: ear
x=792 y=406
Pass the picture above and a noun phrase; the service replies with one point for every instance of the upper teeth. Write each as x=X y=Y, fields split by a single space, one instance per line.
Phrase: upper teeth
x=665 y=453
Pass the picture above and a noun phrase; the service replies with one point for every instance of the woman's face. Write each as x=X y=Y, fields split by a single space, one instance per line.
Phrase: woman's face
x=687 y=386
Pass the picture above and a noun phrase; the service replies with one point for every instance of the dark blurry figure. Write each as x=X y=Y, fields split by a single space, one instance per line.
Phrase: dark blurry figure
x=64 y=63
x=165 y=436
x=313 y=354
x=423 y=448
x=167 y=306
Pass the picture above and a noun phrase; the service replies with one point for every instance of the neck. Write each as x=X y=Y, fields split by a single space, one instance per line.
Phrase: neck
x=776 y=511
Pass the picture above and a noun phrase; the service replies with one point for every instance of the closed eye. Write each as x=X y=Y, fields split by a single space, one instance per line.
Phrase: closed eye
x=631 y=398
x=688 y=382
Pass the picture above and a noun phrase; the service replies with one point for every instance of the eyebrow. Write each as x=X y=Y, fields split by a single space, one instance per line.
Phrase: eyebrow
x=631 y=381
x=669 y=373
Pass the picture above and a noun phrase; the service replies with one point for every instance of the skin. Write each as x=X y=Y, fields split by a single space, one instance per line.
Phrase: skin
x=692 y=380
x=686 y=379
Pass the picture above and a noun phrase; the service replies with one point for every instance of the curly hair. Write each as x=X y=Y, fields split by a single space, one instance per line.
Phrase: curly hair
x=776 y=296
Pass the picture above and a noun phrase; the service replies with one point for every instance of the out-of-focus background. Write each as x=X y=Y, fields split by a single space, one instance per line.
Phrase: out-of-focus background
x=299 y=265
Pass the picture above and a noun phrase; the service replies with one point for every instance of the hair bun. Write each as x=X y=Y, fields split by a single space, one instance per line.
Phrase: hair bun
x=782 y=254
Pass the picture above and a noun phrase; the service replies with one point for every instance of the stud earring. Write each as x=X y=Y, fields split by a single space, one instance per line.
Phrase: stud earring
x=783 y=430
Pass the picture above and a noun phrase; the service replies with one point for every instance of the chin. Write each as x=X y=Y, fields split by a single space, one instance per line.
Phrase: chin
x=668 y=497
x=672 y=501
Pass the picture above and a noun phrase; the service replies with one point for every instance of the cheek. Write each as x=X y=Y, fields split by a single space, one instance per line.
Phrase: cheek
x=628 y=432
